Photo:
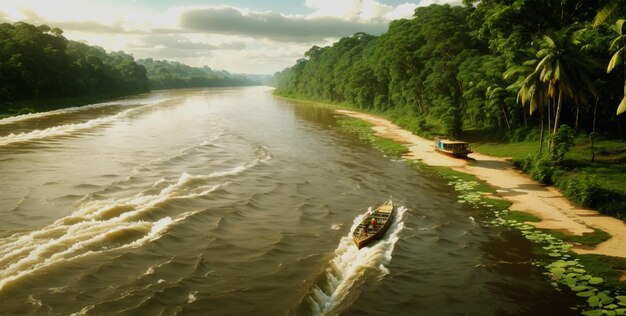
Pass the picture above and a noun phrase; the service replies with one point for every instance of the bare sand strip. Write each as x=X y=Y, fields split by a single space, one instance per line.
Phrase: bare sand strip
x=547 y=203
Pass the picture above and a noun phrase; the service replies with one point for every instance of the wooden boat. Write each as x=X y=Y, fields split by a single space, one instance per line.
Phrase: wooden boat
x=452 y=147
x=365 y=233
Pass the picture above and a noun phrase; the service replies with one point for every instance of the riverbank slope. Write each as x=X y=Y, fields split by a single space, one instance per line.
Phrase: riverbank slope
x=557 y=213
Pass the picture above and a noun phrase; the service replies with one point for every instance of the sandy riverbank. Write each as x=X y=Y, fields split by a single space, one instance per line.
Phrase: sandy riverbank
x=547 y=203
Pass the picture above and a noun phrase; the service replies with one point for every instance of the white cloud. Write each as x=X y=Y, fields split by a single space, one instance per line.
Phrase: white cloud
x=277 y=27
x=425 y=3
x=351 y=10
x=403 y=11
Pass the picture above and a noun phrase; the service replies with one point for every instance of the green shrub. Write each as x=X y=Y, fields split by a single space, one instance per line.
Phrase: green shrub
x=524 y=164
x=557 y=174
x=543 y=168
x=562 y=141
x=422 y=124
x=584 y=190
x=524 y=134
x=581 y=189
x=609 y=202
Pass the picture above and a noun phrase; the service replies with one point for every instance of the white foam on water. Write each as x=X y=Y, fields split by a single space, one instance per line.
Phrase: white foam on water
x=60 y=130
x=76 y=245
x=239 y=169
x=66 y=129
x=191 y=297
x=153 y=268
x=92 y=228
x=350 y=264
x=336 y=226
x=22 y=117
x=134 y=206
x=83 y=311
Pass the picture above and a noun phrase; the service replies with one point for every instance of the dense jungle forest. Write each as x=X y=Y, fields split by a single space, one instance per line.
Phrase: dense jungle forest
x=521 y=67
x=39 y=63
x=42 y=70
x=164 y=74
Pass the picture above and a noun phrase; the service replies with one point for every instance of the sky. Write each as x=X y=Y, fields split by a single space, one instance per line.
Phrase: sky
x=244 y=36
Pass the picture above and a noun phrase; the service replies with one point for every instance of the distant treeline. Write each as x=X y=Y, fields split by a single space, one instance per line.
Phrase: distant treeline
x=41 y=70
x=488 y=64
x=38 y=63
x=164 y=74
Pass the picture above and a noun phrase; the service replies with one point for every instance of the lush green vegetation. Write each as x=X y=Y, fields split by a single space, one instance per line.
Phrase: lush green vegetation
x=38 y=63
x=167 y=74
x=364 y=131
x=436 y=69
x=587 y=239
x=41 y=70
x=542 y=81
x=520 y=217
x=611 y=269
x=595 y=279
x=599 y=184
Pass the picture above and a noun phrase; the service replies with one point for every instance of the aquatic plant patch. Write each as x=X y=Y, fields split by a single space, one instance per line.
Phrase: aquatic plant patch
x=562 y=266
x=364 y=131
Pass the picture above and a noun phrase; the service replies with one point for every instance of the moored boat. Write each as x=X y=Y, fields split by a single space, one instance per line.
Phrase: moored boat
x=374 y=225
x=452 y=147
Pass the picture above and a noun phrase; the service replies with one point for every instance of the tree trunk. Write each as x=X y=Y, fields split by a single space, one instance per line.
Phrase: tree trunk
x=593 y=130
x=557 y=117
x=577 y=113
x=541 y=133
x=506 y=119
x=550 y=102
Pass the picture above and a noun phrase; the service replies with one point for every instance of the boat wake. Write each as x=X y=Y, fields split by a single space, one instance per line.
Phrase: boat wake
x=61 y=130
x=103 y=226
x=346 y=270
x=66 y=129
x=30 y=116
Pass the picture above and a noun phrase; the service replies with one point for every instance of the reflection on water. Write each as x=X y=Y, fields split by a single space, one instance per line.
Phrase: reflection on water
x=233 y=202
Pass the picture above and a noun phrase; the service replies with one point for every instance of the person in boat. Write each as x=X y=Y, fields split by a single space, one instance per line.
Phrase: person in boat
x=363 y=231
x=374 y=223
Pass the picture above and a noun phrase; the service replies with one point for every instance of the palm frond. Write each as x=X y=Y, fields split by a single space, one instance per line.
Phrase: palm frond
x=619 y=25
x=515 y=70
x=549 y=41
x=606 y=12
x=615 y=60
x=621 y=108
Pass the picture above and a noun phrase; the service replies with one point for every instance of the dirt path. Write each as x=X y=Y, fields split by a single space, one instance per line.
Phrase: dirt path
x=547 y=203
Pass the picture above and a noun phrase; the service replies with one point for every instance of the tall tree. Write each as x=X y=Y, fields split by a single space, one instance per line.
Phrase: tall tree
x=561 y=69
x=533 y=91
x=618 y=47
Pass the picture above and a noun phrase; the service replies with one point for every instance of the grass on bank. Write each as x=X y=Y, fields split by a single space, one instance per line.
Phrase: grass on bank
x=587 y=239
x=364 y=131
x=611 y=269
x=598 y=184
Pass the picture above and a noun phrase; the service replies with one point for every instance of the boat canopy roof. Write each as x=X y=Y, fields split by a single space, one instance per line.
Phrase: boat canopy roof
x=452 y=142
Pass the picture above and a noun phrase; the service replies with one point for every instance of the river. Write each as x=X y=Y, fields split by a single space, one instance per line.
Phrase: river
x=231 y=201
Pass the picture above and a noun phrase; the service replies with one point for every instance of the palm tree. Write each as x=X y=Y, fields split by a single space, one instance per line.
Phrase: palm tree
x=618 y=45
x=496 y=95
x=533 y=90
x=561 y=69
x=529 y=89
